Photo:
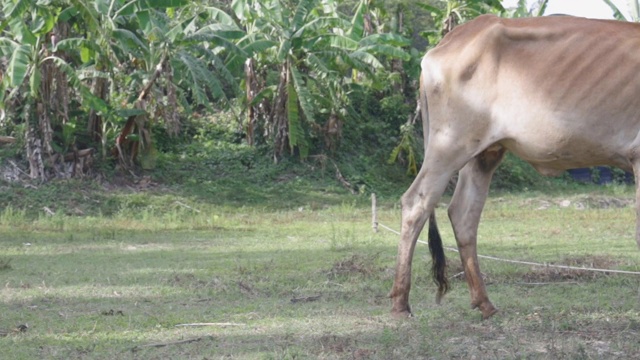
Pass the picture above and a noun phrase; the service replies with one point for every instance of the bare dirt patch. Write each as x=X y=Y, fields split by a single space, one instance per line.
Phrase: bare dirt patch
x=190 y=281
x=356 y=264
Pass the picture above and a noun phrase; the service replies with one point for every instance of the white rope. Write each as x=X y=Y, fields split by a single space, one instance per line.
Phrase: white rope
x=526 y=262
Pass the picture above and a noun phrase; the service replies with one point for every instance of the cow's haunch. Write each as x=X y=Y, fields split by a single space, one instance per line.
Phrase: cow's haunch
x=559 y=92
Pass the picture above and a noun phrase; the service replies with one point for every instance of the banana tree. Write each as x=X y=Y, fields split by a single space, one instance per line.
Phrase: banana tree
x=173 y=49
x=39 y=84
x=315 y=53
x=449 y=13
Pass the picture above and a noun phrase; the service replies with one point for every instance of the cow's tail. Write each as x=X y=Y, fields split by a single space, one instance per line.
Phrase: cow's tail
x=439 y=260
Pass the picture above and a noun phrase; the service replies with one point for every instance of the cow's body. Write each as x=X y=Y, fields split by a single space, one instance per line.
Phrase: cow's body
x=559 y=92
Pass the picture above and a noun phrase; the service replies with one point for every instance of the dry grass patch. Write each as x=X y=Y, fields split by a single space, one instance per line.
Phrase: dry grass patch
x=356 y=265
x=552 y=274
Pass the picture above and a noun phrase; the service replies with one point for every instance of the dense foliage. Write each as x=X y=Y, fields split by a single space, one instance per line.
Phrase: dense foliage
x=88 y=86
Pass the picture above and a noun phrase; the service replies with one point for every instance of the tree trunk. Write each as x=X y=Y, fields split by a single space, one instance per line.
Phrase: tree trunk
x=125 y=149
x=34 y=154
x=94 y=125
x=173 y=118
x=279 y=121
x=251 y=90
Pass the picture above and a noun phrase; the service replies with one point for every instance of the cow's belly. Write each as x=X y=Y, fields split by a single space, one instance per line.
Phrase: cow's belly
x=552 y=151
x=553 y=137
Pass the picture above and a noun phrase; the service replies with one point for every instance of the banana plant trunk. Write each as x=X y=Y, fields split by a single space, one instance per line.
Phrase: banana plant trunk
x=127 y=150
x=251 y=91
x=279 y=120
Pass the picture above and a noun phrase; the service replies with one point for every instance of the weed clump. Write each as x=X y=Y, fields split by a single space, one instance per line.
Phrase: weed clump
x=5 y=264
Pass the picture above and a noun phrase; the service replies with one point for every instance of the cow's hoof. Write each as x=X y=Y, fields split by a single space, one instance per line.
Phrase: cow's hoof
x=401 y=311
x=486 y=308
x=401 y=314
x=488 y=312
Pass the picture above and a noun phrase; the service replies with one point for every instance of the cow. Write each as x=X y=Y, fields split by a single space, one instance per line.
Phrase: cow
x=559 y=92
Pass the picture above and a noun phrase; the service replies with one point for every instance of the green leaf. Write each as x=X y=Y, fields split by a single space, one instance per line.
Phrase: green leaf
x=163 y=4
x=130 y=42
x=357 y=23
x=101 y=6
x=266 y=93
x=133 y=137
x=386 y=50
x=44 y=22
x=86 y=54
x=126 y=113
x=258 y=46
x=223 y=30
x=317 y=64
x=303 y=95
x=321 y=23
x=14 y=12
x=175 y=32
x=366 y=58
x=7 y=47
x=239 y=7
x=342 y=42
x=90 y=73
x=126 y=10
x=283 y=51
x=296 y=132
x=68 y=13
x=220 y=69
x=154 y=24
x=216 y=40
x=387 y=39
x=219 y=16
x=73 y=44
x=201 y=79
x=21 y=32
x=89 y=17
x=18 y=64
x=542 y=8
x=435 y=10
x=88 y=99
x=617 y=14
x=144 y=19
x=18 y=9
x=302 y=10
x=88 y=49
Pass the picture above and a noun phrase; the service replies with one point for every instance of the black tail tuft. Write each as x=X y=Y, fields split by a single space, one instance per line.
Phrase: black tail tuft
x=439 y=266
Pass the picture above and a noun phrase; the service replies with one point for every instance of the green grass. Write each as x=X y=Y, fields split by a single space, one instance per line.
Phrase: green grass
x=96 y=286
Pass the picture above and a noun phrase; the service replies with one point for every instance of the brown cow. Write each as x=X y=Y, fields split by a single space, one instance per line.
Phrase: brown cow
x=559 y=92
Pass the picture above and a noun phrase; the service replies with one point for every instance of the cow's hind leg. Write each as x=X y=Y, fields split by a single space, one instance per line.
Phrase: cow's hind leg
x=465 y=209
x=418 y=203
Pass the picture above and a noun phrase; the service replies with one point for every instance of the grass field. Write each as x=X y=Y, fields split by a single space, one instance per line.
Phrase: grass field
x=190 y=280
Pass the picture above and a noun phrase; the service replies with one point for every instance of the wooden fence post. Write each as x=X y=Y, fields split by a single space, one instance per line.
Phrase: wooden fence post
x=374 y=213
